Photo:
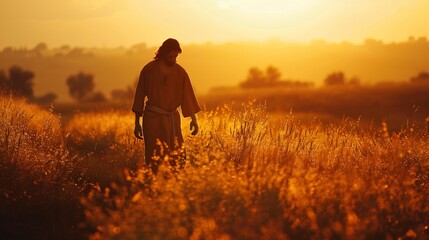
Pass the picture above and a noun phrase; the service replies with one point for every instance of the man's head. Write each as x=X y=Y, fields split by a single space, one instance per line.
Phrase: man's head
x=168 y=51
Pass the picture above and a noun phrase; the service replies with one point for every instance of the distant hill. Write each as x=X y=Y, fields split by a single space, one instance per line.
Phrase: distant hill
x=212 y=65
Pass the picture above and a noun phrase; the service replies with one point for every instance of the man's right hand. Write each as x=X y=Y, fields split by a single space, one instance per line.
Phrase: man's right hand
x=138 y=133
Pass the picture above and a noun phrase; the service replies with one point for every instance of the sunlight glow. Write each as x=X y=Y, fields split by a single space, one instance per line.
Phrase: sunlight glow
x=224 y=5
x=126 y=22
x=268 y=7
x=270 y=14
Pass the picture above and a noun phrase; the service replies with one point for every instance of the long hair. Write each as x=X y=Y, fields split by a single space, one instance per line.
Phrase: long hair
x=166 y=47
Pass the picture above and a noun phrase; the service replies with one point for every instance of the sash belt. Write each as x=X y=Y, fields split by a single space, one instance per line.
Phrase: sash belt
x=170 y=115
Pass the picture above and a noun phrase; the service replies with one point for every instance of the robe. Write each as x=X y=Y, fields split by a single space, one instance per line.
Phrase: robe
x=165 y=94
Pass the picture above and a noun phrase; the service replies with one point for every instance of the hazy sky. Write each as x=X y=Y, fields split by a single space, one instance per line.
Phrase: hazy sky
x=112 y=23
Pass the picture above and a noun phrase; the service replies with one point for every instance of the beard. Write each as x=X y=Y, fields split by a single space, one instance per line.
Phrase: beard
x=169 y=63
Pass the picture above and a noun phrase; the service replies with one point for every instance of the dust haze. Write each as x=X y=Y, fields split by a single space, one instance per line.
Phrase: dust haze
x=214 y=65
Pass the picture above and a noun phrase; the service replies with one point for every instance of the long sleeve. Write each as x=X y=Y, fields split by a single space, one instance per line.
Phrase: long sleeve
x=189 y=101
x=139 y=97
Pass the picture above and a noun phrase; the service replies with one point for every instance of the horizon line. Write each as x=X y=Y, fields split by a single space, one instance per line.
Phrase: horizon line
x=410 y=38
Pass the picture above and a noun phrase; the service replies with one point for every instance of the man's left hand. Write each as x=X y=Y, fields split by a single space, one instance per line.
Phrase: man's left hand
x=194 y=127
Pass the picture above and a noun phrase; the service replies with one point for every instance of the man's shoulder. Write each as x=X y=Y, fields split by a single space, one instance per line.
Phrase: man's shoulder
x=181 y=69
x=150 y=65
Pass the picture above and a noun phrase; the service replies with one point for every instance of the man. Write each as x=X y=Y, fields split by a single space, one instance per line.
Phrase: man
x=167 y=86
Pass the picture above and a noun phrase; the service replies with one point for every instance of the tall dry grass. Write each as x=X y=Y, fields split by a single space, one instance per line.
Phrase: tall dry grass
x=248 y=176
x=106 y=143
x=251 y=177
x=39 y=183
x=393 y=102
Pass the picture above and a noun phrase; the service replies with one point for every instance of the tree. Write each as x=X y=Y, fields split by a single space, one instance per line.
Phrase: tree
x=21 y=81
x=39 y=49
x=335 y=79
x=272 y=75
x=4 y=81
x=421 y=77
x=18 y=83
x=255 y=78
x=80 y=86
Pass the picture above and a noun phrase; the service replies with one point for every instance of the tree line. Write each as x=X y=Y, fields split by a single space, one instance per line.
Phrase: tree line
x=81 y=86
x=19 y=82
x=271 y=77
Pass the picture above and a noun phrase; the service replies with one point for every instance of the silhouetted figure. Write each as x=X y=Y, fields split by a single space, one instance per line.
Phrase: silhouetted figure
x=167 y=86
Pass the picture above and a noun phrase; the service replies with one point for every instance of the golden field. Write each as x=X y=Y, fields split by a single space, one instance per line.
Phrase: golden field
x=248 y=175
